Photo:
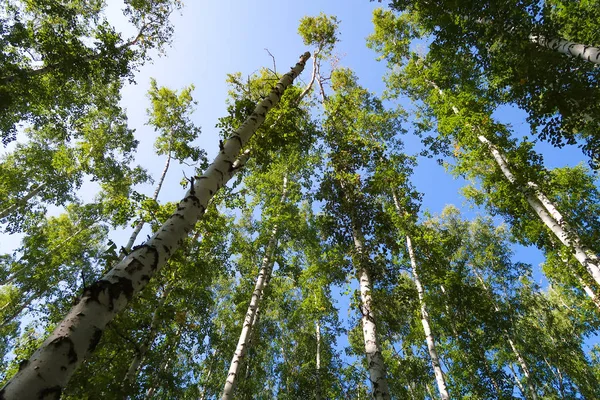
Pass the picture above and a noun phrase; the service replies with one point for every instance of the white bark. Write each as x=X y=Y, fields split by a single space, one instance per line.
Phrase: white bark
x=261 y=282
x=546 y=210
x=375 y=362
x=51 y=366
x=318 y=360
x=22 y=201
x=572 y=49
x=517 y=381
x=431 y=347
x=140 y=224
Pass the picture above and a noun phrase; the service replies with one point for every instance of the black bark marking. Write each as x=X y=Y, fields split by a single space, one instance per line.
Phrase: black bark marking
x=71 y=354
x=133 y=266
x=166 y=249
x=114 y=290
x=238 y=138
x=53 y=392
x=95 y=339
x=221 y=145
x=23 y=364
x=145 y=278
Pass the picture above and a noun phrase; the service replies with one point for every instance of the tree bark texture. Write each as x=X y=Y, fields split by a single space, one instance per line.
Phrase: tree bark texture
x=261 y=282
x=375 y=362
x=431 y=347
x=547 y=213
x=572 y=49
x=50 y=367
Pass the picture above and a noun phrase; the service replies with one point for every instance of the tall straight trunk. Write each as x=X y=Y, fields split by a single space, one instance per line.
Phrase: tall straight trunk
x=263 y=277
x=375 y=362
x=517 y=381
x=140 y=224
x=50 y=367
x=318 y=360
x=431 y=346
x=544 y=208
x=572 y=49
x=140 y=355
x=549 y=215
x=511 y=343
x=22 y=201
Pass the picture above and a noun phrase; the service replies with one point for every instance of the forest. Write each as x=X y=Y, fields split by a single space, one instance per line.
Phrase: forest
x=328 y=200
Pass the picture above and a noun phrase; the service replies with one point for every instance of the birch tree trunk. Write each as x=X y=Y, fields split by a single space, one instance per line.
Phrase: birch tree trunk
x=261 y=281
x=517 y=381
x=140 y=224
x=547 y=213
x=318 y=360
x=544 y=208
x=572 y=49
x=431 y=347
x=375 y=362
x=22 y=201
x=49 y=369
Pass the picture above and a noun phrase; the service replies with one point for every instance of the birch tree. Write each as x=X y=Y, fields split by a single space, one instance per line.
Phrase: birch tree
x=103 y=299
x=490 y=41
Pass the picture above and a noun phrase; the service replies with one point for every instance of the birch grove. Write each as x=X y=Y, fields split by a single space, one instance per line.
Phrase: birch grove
x=319 y=255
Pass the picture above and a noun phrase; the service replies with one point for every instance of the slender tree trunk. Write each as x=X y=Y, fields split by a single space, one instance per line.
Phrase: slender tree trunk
x=140 y=223
x=140 y=355
x=22 y=201
x=517 y=381
x=544 y=208
x=431 y=347
x=572 y=49
x=318 y=360
x=52 y=365
x=263 y=277
x=375 y=362
x=548 y=214
x=18 y=310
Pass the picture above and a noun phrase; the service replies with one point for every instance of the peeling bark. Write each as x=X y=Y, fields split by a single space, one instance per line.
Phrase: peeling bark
x=52 y=365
